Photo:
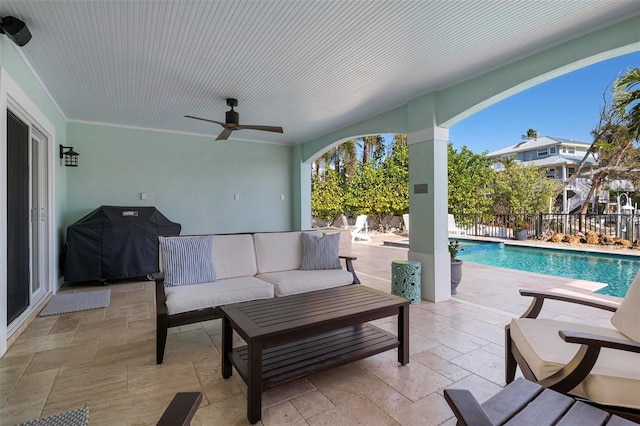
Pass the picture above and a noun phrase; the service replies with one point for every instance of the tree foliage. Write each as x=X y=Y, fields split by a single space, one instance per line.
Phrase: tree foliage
x=613 y=138
x=470 y=176
x=626 y=92
x=327 y=195
x=380 y=187
x=521 y=189
x=531 y=134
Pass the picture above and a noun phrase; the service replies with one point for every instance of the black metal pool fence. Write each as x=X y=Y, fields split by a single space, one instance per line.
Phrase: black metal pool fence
x=540 y=225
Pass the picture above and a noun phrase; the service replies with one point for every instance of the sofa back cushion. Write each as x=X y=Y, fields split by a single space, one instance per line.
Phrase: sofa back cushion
x=187 y=260
x=234 y=256
x=278 y=251
x=626 y=319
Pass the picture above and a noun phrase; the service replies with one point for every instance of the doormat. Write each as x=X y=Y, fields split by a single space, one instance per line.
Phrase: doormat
x=74 y=302
x=79 y=417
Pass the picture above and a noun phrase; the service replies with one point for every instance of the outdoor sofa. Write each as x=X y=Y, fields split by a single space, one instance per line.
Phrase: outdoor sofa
x=200 y=273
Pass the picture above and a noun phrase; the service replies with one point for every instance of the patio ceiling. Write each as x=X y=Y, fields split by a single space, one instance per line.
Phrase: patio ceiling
x=309 y=66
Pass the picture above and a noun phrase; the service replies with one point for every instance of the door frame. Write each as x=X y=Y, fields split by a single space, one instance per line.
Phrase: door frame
x=13 y=98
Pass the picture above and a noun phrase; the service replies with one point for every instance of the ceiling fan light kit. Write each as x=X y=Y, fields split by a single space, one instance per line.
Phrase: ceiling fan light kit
x=232 y=122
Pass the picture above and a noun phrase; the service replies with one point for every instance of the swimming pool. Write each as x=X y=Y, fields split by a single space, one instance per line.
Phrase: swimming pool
x=617 y=271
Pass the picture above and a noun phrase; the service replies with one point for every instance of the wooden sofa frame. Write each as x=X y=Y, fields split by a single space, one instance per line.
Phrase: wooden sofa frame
x=164 y=320
x=581 y=364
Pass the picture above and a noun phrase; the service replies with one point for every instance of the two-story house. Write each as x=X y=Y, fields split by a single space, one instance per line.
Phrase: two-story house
x=559 y=157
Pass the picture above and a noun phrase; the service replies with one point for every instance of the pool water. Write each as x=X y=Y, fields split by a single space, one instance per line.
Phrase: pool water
x=617 y=271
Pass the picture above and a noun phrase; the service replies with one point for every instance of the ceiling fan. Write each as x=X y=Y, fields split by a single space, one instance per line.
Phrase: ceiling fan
x=232 y=122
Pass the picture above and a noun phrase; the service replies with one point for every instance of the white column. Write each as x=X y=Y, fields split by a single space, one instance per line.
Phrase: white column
x=428 y=207
x=565 y=201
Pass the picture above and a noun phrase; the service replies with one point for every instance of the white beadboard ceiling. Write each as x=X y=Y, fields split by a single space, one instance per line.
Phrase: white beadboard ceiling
x=309 y=66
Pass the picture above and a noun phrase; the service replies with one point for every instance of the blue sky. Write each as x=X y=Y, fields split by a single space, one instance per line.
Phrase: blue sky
x=567 y=106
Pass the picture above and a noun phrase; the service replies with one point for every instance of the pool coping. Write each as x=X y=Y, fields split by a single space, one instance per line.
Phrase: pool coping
x=624 y=252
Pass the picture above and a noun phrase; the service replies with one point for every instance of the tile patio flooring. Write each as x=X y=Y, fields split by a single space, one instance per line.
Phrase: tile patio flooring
x=105 y=358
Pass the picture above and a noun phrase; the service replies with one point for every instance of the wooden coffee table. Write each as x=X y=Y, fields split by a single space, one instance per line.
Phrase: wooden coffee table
x=294 y=336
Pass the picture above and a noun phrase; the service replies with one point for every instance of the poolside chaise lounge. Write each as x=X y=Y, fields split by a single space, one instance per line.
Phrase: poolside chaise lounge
x=598 y=364
x=452 y=227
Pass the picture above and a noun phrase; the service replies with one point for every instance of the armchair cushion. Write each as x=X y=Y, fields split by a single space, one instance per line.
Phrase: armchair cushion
x=187 y=260
x=614 y=379
x=627 y=317
x=320 y=251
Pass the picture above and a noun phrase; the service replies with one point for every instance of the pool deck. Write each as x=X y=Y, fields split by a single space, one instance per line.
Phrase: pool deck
x=105 y=358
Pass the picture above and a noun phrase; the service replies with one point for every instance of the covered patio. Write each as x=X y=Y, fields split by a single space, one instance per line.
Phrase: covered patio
x=114 y=80
x=105 y=358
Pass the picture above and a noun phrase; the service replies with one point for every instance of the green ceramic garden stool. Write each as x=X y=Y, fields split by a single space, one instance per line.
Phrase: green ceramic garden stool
x=405 y=279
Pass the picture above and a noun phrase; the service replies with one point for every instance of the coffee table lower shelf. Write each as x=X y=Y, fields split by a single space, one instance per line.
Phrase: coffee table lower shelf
x=301 y=358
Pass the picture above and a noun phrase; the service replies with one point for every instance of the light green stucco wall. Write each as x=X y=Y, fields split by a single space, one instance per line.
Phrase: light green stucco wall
x=190 y=179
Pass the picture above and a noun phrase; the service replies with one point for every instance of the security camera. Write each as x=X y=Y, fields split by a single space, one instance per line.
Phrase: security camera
x=15 y=29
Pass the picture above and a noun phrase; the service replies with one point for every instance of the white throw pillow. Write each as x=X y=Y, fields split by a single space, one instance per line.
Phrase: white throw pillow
x=626 y=319
x=187 y=260
x=320 y=252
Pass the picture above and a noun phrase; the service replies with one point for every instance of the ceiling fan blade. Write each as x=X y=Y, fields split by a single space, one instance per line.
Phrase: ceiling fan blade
x=205 y=119
x=224 y=135
x=275 y=129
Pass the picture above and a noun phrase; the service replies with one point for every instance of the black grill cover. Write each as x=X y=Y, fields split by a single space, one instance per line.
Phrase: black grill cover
x=115 y=242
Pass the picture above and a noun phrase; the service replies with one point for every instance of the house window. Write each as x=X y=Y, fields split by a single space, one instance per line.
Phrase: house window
x=571 y=150
x=551 y=173
x=571 y=171
x=552 y=150
x=508 y=157
x=543 y=152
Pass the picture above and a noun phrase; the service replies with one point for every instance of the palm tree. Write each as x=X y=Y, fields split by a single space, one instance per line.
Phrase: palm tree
x=626 y=92
x=531 y=134
x=400 y=139
x=343 y=158
x=371 y=145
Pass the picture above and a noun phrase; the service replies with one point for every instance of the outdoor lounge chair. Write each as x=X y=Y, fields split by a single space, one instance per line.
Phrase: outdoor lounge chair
x=452 y=227
x=598 y=364
x=361 y=229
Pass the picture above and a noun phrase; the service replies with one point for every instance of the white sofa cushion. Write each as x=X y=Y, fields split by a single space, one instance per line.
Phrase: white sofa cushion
x=278 y=251
x=222 y=292
x=187 y=260
x=614 y=380
x=294 y=282
x=626 y=319
x=234 y=256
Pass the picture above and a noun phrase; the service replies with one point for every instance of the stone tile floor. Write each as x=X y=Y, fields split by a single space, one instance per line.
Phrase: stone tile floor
x=105 y=358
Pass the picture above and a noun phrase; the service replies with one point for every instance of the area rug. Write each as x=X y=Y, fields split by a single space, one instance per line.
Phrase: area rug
x=74 y=302
x=79 y=417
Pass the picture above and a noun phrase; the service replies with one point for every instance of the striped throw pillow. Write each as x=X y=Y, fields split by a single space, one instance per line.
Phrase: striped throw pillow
x=187 y=260
x=320 y=252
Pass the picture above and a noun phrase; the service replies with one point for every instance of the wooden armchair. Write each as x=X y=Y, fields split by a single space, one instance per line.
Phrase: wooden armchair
x=600 y=365
x=525 y=403
x=181 y=410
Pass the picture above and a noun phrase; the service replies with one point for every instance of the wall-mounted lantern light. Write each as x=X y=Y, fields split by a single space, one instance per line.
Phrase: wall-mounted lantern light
x=70 y=156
